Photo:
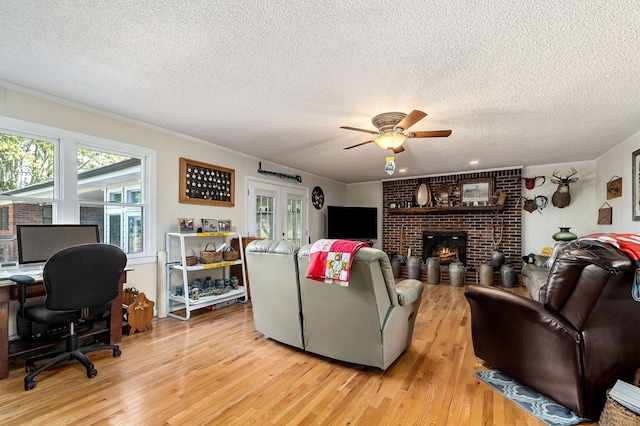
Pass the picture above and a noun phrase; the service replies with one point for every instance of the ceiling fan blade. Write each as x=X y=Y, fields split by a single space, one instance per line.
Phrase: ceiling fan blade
x=399 y=149
x=373 y=132
x=362 y=143
x=431 y=134
x=411 y=119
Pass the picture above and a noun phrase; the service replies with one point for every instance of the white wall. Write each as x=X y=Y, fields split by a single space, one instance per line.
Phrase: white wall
x=618 y=162
x=588 y=193
x=580 y=214
x=169 y=147
x=367 y=194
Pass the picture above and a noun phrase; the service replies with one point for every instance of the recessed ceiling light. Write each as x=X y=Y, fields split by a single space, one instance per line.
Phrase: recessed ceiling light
x=473 y=162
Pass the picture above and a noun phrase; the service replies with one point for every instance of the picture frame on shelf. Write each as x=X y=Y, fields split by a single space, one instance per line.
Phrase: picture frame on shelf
x=224 y=225
x=209 y=225
x=476 y=192
x=186 y=225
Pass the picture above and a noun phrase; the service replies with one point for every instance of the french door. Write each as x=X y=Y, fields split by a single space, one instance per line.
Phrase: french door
x=277 y=212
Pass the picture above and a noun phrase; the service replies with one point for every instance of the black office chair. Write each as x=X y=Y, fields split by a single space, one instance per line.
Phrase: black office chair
x=77 y=280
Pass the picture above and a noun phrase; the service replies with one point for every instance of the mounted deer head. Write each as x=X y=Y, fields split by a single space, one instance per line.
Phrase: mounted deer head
x=562 y=198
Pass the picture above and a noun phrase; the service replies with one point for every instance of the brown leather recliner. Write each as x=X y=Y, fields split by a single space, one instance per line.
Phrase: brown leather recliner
x=574 y=344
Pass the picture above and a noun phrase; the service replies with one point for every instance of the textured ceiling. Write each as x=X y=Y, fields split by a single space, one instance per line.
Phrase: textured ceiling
x=518 y=83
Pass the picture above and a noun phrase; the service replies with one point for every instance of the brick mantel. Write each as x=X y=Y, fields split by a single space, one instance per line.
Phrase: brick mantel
x=402 y=229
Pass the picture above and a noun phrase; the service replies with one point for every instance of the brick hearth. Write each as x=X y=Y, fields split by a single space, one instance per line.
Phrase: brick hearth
x=404 y=231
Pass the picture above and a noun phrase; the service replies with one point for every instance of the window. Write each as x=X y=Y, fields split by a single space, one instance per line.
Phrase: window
x=109 y=186
x=102 y=178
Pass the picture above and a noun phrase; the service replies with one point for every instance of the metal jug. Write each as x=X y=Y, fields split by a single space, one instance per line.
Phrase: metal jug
x=456 y=274
x=433 y=270
x=414 y=267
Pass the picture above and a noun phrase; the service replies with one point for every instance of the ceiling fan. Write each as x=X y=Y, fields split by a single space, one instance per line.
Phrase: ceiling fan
x=392 y=128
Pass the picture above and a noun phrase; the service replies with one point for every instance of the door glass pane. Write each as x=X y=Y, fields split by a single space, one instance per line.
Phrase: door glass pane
x=134 y=229
x=114 y=230
x=294 y=220
x=265 y=224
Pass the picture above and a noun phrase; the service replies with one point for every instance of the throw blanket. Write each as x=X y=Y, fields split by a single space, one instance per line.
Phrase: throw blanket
x=330 y=260
x=628 y=243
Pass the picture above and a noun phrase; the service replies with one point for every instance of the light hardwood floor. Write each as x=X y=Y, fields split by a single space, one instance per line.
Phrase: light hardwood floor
x=215 y=369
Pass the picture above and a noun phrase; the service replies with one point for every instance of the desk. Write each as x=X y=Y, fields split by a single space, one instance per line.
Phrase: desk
x=8 y=293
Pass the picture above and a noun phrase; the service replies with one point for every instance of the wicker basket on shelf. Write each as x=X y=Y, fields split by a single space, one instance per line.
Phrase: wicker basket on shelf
x=210 y=256
x=190 y=260
x=230 y=254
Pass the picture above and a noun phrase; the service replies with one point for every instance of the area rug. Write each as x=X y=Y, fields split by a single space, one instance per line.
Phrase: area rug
x=548 y=411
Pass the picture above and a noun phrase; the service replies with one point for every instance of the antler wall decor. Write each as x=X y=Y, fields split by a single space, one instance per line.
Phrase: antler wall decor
x=562 y=198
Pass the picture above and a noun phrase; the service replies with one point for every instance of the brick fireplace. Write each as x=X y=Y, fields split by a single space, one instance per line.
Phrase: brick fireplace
x=403 y=229
x=447 y=246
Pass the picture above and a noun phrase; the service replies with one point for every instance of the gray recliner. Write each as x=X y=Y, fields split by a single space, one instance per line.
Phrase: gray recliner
x=273 y=273
x=370 y=322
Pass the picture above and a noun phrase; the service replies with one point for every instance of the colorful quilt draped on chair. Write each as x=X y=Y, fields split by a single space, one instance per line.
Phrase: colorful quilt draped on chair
x=330 y=260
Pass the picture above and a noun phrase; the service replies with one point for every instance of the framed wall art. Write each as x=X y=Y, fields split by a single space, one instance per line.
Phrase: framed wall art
x=605 y=214
x=614 y=187
x=476 y=192
x=202 y=183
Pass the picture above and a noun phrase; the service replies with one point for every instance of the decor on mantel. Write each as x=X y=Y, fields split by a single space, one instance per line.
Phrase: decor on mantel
x=476 y=192
x=564 y=234
x=443 y=192
x=423 y=195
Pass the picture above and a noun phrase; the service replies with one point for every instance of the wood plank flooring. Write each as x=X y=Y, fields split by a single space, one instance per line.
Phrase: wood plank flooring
x=215 y=369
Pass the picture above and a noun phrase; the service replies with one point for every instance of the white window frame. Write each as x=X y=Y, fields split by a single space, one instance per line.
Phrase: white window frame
x=66 y=207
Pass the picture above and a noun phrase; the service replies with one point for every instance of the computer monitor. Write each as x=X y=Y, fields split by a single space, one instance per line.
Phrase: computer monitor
x=37 y=243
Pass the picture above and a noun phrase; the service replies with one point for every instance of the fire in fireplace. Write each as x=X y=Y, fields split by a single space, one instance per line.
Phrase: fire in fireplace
x=447 y=246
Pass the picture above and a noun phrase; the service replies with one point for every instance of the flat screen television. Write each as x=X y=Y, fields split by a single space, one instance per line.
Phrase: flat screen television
x=352 y=223
x=37 y=243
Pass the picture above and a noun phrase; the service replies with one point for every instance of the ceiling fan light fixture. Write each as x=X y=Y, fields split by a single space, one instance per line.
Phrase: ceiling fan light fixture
x=390 y=140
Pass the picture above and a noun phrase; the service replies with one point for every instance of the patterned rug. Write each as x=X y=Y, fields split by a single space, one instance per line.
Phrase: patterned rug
x=540 y=406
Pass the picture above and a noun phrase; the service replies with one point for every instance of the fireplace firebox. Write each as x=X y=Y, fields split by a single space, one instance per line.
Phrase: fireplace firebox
x=447 y=246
